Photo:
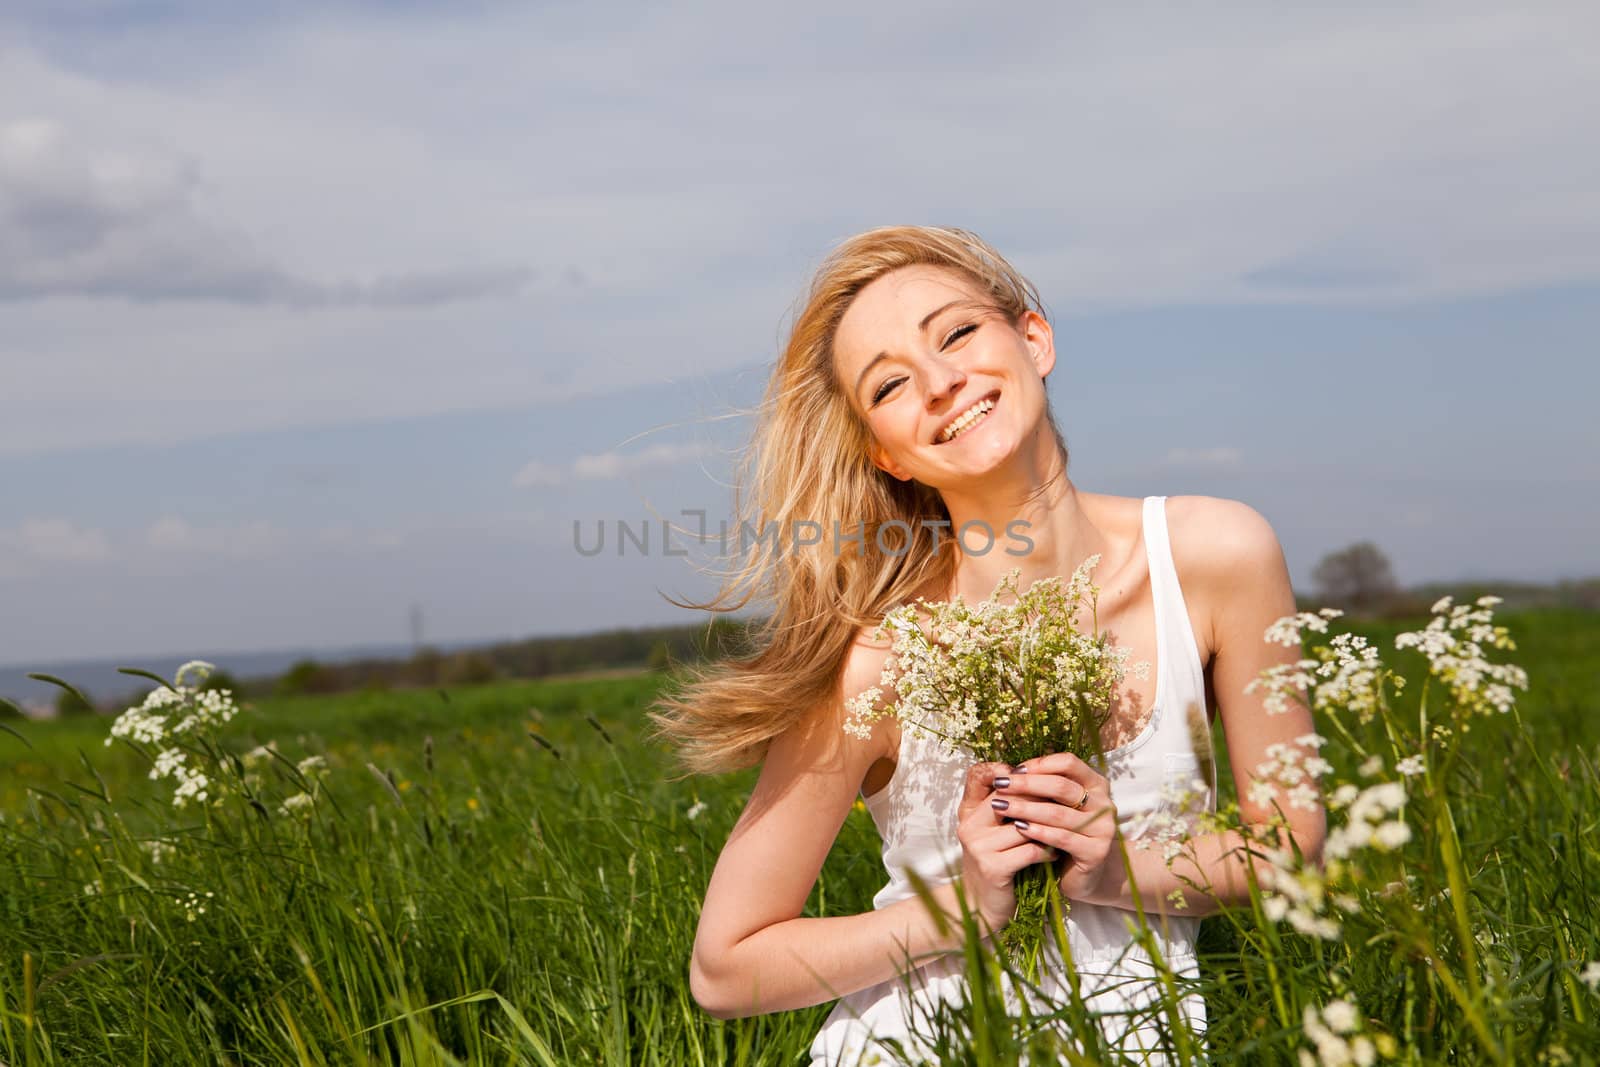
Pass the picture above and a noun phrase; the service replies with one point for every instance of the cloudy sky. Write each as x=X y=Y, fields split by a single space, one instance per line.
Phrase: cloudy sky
x=310 y=313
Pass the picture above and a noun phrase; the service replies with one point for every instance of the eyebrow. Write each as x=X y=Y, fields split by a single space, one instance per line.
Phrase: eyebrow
x=923 y=325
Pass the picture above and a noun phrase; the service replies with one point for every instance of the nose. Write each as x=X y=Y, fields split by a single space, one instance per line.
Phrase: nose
x=944 y=380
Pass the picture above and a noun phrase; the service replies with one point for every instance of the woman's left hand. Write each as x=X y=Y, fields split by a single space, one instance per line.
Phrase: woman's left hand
x=1060 y=800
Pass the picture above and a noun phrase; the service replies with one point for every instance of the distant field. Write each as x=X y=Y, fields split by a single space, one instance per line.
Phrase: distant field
x=476 y=896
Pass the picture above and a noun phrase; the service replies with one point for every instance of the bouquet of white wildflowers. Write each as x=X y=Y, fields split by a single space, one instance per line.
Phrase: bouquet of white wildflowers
x=1008 y=681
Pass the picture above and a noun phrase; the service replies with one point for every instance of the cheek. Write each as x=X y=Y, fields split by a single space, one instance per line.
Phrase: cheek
x=893 y=421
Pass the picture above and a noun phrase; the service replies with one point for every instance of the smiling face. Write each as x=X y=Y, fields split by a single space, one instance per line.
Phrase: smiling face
x=948 y=385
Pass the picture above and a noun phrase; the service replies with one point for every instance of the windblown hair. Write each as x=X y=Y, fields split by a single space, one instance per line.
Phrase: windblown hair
x=808 y=466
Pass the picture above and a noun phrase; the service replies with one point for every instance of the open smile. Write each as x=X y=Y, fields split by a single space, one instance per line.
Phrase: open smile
x=967 y=419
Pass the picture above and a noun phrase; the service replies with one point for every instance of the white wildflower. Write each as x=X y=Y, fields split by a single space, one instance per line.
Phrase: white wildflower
x=1304 y=796
x=193 y=904
x=299 y=803
x=1412 y=765
x=171 y=712
x=1337 y=1033
x=1284 y=684
x=168 y=762
x=1590 y=975
x=193 y=785
x=696 y=809
x=198 y=667
x=159 y=851
x=1292 y=769
x=1287 y=630
x=1391 y=835
x=1455 y=643
x=863 y=709
x=1342 y=1017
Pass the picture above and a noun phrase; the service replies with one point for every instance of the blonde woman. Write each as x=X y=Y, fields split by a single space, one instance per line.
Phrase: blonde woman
x=906 y=448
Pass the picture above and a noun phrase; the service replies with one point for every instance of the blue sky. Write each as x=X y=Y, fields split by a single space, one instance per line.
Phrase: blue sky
x=309 y=313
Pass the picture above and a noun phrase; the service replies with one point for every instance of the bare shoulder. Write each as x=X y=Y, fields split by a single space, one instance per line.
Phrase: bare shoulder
x=1214 y=539
x=861 y=674
x=821 y=733
x=1231 y=567
x=863 y=662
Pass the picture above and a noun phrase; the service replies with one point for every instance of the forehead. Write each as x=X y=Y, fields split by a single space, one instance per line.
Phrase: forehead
x=885 y=313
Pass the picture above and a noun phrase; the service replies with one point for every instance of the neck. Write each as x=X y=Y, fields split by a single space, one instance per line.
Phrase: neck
x=1014 y=508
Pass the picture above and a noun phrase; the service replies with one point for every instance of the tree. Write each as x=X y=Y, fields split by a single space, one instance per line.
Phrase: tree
x=1358 y=578
x=221 y=680
x=307 y=676
x=468 y=668
x=68 y=704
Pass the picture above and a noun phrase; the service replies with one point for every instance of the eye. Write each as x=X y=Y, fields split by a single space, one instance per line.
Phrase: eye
x=960 y=331
x=883 y=390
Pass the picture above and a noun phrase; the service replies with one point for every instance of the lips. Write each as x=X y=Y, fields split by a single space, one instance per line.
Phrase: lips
x=989 y=398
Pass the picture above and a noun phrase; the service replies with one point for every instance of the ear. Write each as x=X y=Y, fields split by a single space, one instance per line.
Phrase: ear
x=1040 y=340
x=881 y=460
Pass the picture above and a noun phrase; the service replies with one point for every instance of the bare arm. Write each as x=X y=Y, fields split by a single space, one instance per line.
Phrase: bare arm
x=754 y=953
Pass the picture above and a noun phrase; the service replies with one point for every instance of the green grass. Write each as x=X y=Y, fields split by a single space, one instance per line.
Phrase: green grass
x=465 y=894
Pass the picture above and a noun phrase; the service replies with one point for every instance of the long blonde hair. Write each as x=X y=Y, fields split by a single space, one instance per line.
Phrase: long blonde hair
x=808 y=465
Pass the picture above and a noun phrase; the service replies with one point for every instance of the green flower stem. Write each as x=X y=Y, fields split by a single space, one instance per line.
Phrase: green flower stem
x=1455 y=873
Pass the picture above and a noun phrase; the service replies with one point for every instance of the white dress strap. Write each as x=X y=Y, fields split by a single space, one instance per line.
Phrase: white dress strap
x=1176 y=648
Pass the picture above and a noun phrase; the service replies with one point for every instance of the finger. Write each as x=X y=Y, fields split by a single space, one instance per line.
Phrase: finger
x=1049 y=812
x=1080 y=796
x=1062 y=763
x=979 y=785
x=975 y=818
x=997 y=839
x=1024 y=853
x=1069 y=841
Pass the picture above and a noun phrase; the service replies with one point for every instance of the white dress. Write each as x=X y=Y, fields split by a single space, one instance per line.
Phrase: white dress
x=916 y=818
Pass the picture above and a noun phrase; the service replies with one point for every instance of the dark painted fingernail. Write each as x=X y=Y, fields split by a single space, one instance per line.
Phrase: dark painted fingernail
x=1001 y=783
x=999 y=804
x=1019 y=824
x=1021 y=769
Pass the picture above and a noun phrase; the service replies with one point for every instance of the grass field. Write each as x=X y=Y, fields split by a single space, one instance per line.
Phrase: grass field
x=505 y=874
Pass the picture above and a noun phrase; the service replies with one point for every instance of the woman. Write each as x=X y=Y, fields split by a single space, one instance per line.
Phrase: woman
x=912 y=390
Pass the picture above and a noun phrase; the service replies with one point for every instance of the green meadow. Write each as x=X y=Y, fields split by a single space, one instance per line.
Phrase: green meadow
x=510 y=874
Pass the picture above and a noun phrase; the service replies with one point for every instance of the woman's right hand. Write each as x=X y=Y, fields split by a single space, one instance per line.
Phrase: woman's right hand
x=992 y=850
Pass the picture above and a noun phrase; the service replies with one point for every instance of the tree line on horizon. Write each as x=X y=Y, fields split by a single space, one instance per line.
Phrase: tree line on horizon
x=1358 y=579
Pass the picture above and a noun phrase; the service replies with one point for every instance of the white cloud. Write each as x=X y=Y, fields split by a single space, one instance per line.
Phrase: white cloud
x=536 y=473
x=172 y=536
x=346 y=535
x=608 y=465
x=47 y=540
x=109 y=222
x=246 y=540
x=1221 y=457
x=38 y=544
x=1276 y=154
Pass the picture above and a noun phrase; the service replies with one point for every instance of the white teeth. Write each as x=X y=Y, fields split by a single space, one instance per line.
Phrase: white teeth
x=966 y=419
